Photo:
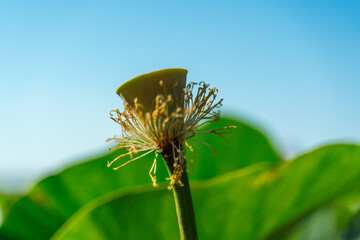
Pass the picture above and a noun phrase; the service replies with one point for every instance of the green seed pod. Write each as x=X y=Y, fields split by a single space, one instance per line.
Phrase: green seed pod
x=146 y=87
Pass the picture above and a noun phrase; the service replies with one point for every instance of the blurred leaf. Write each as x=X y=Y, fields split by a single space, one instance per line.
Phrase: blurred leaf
x=352 y=231
x=52 y=201
x=336 y=221
x=240 y=205
x=244 y=146
x=322 y=224
x=144 y=213
x=334 y=175
x=6 y=202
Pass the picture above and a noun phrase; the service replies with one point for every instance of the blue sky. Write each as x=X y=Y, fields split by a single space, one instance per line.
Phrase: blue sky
x=291 y=69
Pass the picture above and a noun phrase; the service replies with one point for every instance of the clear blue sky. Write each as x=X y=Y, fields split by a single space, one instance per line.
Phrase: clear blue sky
x=291 y=68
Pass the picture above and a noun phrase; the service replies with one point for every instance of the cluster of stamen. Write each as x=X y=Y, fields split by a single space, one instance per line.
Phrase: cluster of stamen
x=167 y=128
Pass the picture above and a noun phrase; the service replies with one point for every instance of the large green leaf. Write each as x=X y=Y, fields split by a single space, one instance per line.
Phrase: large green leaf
x=245 y=204
x=51 y=202
x=141 y=213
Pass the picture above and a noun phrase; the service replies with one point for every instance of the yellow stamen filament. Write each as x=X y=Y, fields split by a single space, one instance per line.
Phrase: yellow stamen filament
x=116 y=168
x=210 y=146
x=153 y=167
x=151 y=131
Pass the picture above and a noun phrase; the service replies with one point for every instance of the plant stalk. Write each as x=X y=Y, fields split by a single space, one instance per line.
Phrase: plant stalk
x=183 y=204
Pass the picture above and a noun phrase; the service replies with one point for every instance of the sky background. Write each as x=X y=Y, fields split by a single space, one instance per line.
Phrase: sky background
x=290 y=69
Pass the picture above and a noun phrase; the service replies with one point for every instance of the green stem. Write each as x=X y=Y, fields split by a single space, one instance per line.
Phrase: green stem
x=184 y=206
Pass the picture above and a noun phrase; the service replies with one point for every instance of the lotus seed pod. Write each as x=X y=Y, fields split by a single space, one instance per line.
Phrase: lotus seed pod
x=146 y=87
x=162 y=114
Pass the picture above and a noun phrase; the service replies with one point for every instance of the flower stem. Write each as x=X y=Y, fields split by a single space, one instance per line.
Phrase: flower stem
x=184 y=205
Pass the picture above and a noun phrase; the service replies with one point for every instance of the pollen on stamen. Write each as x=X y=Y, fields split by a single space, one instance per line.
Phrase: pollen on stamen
x=151 y=131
